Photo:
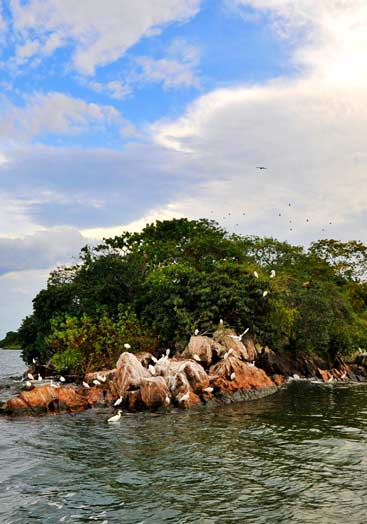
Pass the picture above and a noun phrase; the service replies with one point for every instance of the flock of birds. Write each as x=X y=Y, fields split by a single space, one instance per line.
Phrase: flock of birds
x=291 y=221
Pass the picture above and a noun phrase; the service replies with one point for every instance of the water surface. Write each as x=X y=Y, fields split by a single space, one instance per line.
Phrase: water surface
x=299 y=456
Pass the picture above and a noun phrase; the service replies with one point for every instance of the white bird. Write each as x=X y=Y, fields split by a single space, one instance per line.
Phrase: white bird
x=265 y=293
x=226 y=355
x=240 y=336
x=168 y=351
x=208 y=390
x=233 y=376
x=167 y=400
x=127 y=346
x=33 y=360
x=96 y=382
x=256 y=274
x=196 y=332
x=221 y=322
x=28 y=384
x=30 y=376
x=118 y=401
x=272 y=273
x=39 y=378
x=252 y=364
x=115 y=418
x=62 y=379
x=101 y=378
x=184 y=397
x=151 y=369
x=155 y=360
x=296 y=377
x=86 y=385
x=197 y=358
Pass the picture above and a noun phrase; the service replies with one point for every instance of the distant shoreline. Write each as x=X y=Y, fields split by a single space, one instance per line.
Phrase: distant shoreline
x=11 y=348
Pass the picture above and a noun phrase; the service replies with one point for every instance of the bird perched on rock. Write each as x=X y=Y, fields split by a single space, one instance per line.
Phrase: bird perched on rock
x=208 y=390
x=155 y=360
x=127 y=346
x=118 y=402
x=168 y=351
x=39 y=378
x=196 y=332
x=197 y=358
x=151 y=369
x=233 y=376
x=62 y=379
x=29 y=385
x=96 y=382
x=239 y=337
x=30 y=376
x=115 y=418
x=86 y=385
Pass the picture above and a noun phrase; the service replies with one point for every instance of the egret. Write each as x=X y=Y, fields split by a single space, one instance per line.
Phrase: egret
x=39 y=378
x=261 y=168
x=155 y=360
x=118 y=401
x=115 y=418
x=62 y=379
x=151 y=369
x=127 y=346
x=265 y=293
x=30 y=376
x=167 y=400
x=184 y=397
x=256 y=274
x=208 y=390
x=221 y=322
x=96 y=382
x=168 y=351
x=86 y=385
x=33 y=360
x=196 y=332
x=197 y=358
x=101 y=378
x=233 y=376
x=28 y=384
x=236 y=337
x=272 y=273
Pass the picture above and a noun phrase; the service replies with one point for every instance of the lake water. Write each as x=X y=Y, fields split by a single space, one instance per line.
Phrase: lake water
x=299 y=456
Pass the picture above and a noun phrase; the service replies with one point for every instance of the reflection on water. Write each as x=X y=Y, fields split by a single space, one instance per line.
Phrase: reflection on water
x=299 y=456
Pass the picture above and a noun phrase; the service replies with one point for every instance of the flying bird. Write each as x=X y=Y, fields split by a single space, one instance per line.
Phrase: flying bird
x=239 y=337
x=261 y=167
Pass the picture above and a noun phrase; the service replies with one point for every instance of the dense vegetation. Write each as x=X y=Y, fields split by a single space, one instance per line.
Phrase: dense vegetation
x=11 y=341
x=153 y=289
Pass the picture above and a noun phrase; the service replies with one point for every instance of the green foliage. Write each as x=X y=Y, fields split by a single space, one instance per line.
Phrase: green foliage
x=154 y=288
x=87 y=343
x=11 y=341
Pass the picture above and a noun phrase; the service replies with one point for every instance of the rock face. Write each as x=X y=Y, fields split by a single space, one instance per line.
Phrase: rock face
x=154 y=393
x=129 y=374
x=200 y=347
x=46 y=399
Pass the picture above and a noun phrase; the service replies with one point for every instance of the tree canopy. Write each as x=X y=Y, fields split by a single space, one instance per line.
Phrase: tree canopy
x=154 y=288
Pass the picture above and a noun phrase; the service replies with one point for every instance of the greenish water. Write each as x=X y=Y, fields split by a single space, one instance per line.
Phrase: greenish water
x=299 y=456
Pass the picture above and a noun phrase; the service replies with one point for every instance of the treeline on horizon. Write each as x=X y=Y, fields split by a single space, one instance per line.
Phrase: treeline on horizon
x=153 y=289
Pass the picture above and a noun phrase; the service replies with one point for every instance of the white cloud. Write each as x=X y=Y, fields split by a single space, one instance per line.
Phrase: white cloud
x=100 y=31
x=55 y=113
x=43 y=249
x=17 y=290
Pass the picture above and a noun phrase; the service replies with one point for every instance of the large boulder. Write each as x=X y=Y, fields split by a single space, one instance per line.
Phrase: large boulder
x=232 y=374
x=196 y=376
x=46 y=399
x=199 y=347
x=226 y=338
x=129 y=374
x=154 y=392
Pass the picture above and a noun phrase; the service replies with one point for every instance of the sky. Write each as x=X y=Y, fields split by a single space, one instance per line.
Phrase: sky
x=116 y=113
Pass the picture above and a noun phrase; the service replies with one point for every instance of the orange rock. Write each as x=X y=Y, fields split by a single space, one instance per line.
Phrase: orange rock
x=197 y=377
x=134 y=402
x=46 y=399
x=201 y=347
x=225 y=338
x=129 y=374
x=98 y=396
x=246 y=377
x=154 y=392
x=278 y=379
x=325 y=375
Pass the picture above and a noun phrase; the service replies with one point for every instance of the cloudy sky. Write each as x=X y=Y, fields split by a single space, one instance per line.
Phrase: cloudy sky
x=114 y=113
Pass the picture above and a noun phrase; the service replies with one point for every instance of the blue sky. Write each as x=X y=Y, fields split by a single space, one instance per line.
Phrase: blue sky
x=116 y=113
